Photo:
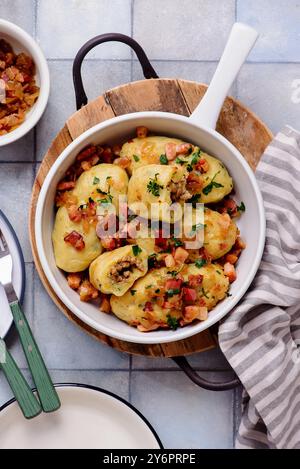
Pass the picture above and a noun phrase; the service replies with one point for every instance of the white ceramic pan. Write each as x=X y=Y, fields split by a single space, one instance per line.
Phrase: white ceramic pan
x=199 y=129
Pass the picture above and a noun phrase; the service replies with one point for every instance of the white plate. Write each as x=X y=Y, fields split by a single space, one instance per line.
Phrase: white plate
x=18 y=274
x=89 y=417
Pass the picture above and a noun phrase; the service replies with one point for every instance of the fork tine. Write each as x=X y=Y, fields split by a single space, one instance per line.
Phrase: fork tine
x=3 y=243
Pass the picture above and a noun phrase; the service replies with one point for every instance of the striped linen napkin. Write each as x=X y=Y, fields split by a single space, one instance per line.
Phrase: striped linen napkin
x=261 y=337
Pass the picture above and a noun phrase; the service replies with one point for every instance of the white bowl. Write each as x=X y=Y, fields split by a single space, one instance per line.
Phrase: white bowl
x=251 y=224
x=23 y=42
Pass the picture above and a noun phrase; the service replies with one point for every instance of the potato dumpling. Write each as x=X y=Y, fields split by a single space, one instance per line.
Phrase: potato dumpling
x=216 y=181
x=145 y=151
x=100 y=180
x=153 y=184
x=131 y=307
x=218 y=174
x=66 y=256
x=114 y=272
x=219 y=235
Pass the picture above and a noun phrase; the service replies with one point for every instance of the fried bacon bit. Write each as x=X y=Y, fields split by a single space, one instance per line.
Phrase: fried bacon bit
x=74 y=280
x=142 y=131
x=229 y=206
x=86 y=153
x=230 y=272
x=18 y=75
x=239 y=244
x=194 y=183
x=160 y=241
x=123 y=162
x=74 y=213
x=194 y=312
x=87 y=292
x=105 y=304
x=148 y=306
x=195 y=280
x=65 y=198
x=173 y=284
x=76 y=240
x=106 y=154
x=231 y=258
x=170 y=150
x=90 y=162
x=109 y=243
x=202 y=165
x=181 y=255
x=183 y=148
x=189 y=295
x=116 y=149
x=66 y=185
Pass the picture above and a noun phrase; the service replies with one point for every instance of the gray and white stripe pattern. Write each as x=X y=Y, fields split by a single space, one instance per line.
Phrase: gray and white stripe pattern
x=261 y=337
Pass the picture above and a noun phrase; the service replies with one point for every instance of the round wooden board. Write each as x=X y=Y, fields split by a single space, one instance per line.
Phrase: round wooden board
x=237 y=123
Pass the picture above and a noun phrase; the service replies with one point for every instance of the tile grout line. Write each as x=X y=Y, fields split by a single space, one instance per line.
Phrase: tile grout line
x=130 y=371
x=35 y=19
x=179 y=61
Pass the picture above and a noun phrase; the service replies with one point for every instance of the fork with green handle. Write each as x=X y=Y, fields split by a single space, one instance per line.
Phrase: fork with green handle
x=27 y=401
x=45 y=389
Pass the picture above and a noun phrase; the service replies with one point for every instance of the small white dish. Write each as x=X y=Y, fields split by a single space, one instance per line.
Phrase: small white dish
x=18 y=274
x=89 y=418
x=23 y=42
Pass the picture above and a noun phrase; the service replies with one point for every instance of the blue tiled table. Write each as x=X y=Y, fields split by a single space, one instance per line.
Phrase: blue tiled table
x=183 y=38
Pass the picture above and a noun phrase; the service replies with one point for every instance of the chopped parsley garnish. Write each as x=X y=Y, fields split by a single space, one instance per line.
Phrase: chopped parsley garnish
x=200 y=263
x=107 y=199
x=173 y=273
x=218 y=272
x=195 y=157
x=177 y=242
x=195 y=199
x=179 y=161
x=96 y=180
x=197 y=227
x=172 y=322
x=91 y=201
x=136 y=250
x=211 y=185
x=136 y=158
x=204 y=293
x=241 y=207
x=149 y=286
x=100 y=191
x=189 y=168
x=108 y=177
x=131 y=216
x=133 y=292
x=153 y=186
x=152 y=261
x=173 y=291
x=163 y=159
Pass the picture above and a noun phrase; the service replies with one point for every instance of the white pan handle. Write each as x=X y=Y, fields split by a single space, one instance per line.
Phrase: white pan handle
x=241 y=40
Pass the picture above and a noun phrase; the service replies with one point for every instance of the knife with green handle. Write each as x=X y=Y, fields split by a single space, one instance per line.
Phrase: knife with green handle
x=27 y=401
x=46 y=391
